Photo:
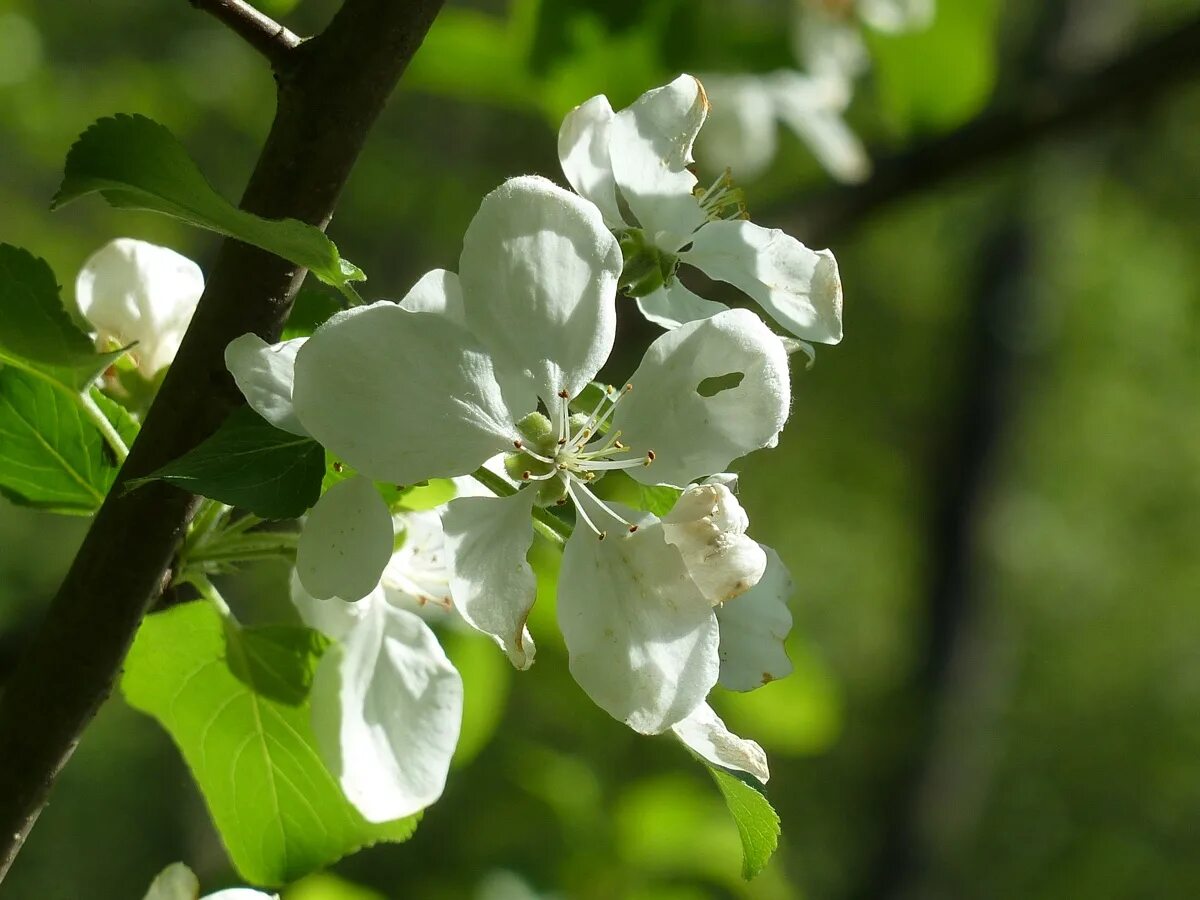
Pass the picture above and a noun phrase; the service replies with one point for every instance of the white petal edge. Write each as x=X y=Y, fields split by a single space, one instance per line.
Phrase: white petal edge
x=693 y=435
x=437 y=291
x=800 y=288
x=175 y=882
x=583 y=153
x=131 y=290
x=754 y=628
x=404 y=396
x=708 y=526
x=346 y=542
x=706 y=735
x=650 y=149
x=641 y=638
x=264 y=373
x=670 y=307
x=539 y=272
x=492 y=585
x=386 y=711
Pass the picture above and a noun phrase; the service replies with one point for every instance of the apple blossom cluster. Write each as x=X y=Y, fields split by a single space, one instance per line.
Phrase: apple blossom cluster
x=488 y=376
x=811 y=101
x=491 y=372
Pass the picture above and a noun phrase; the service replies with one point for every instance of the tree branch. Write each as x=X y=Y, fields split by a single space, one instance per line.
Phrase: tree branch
x=330 y=94
x=260 y=31
x=1047 y=110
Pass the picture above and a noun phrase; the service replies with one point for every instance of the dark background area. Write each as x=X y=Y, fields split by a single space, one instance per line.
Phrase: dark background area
x=988 y=495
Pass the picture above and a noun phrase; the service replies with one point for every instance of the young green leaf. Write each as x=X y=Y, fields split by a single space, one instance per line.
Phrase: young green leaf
x=136 y=163
x=251 y=464
x=757 y=822
x=658 y=499
x=36 y=333
x=51 y=455
x=278 y=809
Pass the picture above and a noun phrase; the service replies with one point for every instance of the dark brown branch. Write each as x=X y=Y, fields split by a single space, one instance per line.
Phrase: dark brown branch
x=1047 y=110
x=329 y=96
x=260 y=31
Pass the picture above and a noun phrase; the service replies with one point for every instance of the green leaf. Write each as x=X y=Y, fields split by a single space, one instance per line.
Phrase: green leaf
x=36 y=333
x=658 y=499
x=757 y=822
x=408 y=498
x=136 y=163
x=278 y=809
x=51 y=455
x=251 y=464
x=275 y=661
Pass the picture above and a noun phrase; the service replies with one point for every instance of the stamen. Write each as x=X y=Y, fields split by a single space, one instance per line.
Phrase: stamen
x=582 y=513
x=591 y=427
x=600 y=503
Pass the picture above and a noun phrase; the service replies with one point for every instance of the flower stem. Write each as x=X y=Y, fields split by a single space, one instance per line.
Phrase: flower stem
x=545 y=523
x=100 y=420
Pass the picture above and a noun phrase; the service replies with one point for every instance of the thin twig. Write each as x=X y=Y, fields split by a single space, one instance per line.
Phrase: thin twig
x=260 y=31
x=1049 y=109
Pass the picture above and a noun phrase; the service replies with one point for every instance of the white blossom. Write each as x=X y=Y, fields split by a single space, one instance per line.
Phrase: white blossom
x=490 y=360
x=137 y=293
x=634 y=165
x=178 y=882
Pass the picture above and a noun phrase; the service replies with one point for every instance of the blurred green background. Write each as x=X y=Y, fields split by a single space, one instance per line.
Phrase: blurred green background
x=989 y=494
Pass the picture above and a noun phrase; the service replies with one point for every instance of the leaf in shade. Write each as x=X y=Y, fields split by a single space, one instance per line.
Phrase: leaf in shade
x=251 y=464
x=36 y=333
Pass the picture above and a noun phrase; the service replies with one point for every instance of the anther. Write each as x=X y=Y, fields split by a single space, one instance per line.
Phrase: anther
x=525 y=475
x=564 y=395
x=649 y=457
x=603 y=535
x=518 y=444
x=339 y=467
x=632 y=529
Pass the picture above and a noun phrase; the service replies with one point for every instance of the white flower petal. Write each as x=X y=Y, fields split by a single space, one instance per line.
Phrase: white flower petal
x=754 y=627
x=404 y=396
x=672 y=306
x=346 y=542
x=240 y=894
x=134 y=291
x=386 y=709
x=418 y=574
x=333 y=617
x=694 y=435
x=650 y=149
x=705 y=733
x=799 y=287
x=539 y=273
x=493 y=586
x=437 y=291
x=707 y=526
x=583 y=152
x=740 y=132
x=264 y=373
x=813 y=109
x=896 y=16
x=641 y=638
x=175 y=882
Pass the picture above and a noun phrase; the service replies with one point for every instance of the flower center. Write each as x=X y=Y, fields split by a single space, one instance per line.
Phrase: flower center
x=573 y=451
x=722 y=200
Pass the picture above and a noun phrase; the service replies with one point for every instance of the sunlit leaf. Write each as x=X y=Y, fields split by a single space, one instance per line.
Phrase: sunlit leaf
x=136 y=163
x=278 y=809
x=51 y=455
x=757 y=821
